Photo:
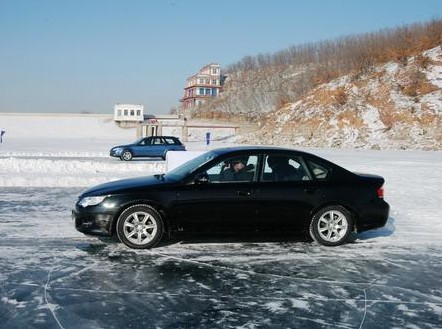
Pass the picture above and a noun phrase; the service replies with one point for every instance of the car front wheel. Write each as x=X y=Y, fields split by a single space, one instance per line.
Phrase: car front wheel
x=126 y=155
x=140 y=227
x=331 y=226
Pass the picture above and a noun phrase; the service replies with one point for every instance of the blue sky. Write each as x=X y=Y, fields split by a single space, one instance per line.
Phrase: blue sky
x=86 y=55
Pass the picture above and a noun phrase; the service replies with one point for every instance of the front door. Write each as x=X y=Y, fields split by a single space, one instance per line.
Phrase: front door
x=212 y=202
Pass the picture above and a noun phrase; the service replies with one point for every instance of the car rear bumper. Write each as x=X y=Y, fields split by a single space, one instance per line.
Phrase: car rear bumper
x=374 y=216
x=92 y=224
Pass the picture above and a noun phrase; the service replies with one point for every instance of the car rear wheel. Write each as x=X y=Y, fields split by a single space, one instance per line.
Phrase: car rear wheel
x=126 y=155
x=331 y=226
x=140 y=227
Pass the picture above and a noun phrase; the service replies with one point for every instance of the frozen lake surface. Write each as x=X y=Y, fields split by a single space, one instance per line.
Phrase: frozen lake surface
x=54 y=277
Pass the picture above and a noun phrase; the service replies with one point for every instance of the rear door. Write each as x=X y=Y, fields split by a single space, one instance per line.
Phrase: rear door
x=285 y=202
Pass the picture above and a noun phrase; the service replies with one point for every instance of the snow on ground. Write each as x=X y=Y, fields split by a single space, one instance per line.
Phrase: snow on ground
x=72 y=151
x=54 y=277
x=48 y=150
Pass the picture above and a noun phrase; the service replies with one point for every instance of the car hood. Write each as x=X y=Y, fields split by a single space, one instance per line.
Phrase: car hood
x=122 y=146
x=119 y=186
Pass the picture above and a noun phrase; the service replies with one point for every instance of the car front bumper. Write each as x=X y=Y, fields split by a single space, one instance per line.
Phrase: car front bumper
x=97 y=224
x=115 y=153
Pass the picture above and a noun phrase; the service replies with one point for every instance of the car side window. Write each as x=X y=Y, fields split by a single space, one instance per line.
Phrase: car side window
x=158 y=141
x=319 y=171
x=145 y=141
x=282 y=168
x=170 y=141
x=235 y=169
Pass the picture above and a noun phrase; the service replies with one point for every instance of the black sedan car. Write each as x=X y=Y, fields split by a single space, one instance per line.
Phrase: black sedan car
x=153 y=146
x=240 y=189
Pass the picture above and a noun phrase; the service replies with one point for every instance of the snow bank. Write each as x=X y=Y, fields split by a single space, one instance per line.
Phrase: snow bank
x=66 y=172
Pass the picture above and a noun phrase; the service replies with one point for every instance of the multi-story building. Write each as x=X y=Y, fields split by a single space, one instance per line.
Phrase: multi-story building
x=199 y=87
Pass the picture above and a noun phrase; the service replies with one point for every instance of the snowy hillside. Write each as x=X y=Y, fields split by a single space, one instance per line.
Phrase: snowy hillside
x=393 y=107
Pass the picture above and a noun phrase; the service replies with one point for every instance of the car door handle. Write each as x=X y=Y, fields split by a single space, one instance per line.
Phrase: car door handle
x=245 y=193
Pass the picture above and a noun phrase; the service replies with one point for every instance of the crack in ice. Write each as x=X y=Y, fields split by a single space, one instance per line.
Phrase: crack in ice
x=365 y=309
x=49 y=305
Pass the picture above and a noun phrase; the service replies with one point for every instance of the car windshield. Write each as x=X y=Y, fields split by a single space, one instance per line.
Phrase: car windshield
x=186 y=168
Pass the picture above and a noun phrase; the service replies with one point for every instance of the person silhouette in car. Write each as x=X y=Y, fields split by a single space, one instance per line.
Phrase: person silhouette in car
x=236 y=170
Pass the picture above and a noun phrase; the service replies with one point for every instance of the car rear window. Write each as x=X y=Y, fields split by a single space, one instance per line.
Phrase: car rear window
x=172 y=141
x=319 y=171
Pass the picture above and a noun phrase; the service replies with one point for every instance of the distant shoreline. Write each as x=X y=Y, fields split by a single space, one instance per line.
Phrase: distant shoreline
x=51 y=114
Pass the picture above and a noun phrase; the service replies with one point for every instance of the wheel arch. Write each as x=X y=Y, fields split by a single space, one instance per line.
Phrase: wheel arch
x=345 y=205
x=127 y=149
x=147 y=202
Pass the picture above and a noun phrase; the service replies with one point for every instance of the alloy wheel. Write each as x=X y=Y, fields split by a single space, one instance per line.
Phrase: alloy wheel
x=332 y=226
x=140 y=228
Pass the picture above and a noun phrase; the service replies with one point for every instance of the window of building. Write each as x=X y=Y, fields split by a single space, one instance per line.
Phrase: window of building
x=207 y=81
x=125 y=112
x=214 y=71
x=138 y=112
x=119 y=113
x=214 y=82
x=201 y=81
x=201 y=91
x=208 y=90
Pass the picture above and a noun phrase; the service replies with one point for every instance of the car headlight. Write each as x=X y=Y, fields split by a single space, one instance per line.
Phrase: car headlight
x=91 y=201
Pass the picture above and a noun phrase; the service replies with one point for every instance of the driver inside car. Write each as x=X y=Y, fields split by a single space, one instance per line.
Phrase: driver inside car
x=236 y=170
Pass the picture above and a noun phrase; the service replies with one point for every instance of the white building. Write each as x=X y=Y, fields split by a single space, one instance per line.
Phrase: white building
x=128 y=112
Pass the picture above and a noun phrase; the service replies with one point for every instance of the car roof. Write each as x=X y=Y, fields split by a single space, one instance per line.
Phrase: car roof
x=251 y=148
x=163 y=136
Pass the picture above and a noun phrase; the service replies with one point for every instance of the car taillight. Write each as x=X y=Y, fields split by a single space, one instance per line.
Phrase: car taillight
x=380 y=192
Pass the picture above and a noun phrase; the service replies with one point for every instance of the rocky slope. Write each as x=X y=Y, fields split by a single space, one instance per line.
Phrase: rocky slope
x=395 y=106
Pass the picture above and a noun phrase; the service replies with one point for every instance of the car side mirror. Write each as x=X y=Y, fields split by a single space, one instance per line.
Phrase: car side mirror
x=201 y=178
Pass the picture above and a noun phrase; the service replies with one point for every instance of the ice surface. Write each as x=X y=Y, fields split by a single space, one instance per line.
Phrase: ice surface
x=54 y=277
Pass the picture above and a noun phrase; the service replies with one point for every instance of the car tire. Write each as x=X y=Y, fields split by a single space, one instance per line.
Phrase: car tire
x=331 y=226
x=140 y=227
x=126 y=155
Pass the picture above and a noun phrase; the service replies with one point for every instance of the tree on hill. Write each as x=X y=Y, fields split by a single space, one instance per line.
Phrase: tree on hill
x=257 y=85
